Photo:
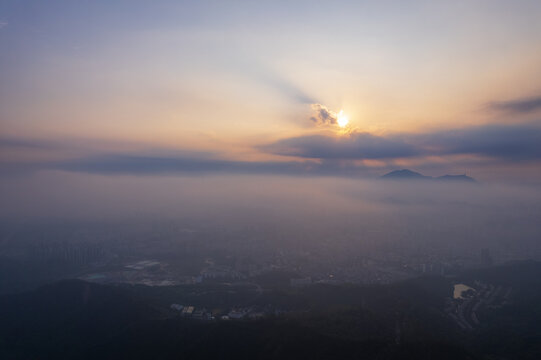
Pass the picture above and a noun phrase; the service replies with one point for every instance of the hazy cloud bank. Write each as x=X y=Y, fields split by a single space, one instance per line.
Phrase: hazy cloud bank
x=489 y=145
x=509 y=143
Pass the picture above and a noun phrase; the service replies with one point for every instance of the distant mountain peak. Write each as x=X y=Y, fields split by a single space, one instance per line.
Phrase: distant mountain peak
x=406 y=174
x=463 y=177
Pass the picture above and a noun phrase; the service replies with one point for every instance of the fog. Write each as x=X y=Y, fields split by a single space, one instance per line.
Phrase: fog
x=352 y=215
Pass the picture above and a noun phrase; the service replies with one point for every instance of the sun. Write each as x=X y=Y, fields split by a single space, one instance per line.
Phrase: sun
x=342 y=119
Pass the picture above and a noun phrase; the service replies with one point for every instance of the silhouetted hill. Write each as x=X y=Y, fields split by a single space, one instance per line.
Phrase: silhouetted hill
x=406 y=174
x=458 y=178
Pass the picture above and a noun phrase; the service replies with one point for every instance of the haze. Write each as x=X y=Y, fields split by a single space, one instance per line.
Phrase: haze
x=258 y=150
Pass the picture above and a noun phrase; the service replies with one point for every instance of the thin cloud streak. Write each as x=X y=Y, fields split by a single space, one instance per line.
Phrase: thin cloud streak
x=517 y=106
x=152 y=165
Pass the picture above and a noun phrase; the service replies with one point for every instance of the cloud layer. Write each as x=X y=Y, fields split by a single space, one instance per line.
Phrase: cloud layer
x=323 y=155
x=513 y=143
x=354 y=146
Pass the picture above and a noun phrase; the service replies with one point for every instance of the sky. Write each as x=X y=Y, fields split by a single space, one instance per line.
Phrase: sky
x=243 y=87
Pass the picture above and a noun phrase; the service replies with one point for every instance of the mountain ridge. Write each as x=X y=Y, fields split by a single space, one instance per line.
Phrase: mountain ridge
x=406 y=174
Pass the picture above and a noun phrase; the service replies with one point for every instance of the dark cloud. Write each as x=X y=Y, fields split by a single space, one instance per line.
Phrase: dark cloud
x=323 y=115
x=518 y=106
x=504 y=142
x=354 y=146
x=520 y=142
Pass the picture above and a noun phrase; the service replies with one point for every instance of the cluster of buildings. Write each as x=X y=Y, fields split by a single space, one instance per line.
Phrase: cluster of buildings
x=191 y=312
x=68 y=253
x=309 y=267
x=221 y=272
